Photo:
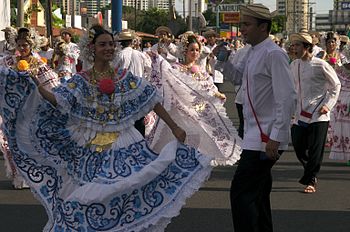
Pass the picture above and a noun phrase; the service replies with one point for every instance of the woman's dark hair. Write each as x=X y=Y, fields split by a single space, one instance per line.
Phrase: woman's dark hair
x=24 y=33
x=99 y=30
x=193 y=39
x=331 y=36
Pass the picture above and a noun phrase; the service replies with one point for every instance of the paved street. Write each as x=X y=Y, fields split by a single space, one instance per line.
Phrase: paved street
x=328 y=210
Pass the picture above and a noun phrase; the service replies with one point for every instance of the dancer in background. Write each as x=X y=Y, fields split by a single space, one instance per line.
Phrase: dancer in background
x=318 y=89
x=25 y=61
x=195 y=103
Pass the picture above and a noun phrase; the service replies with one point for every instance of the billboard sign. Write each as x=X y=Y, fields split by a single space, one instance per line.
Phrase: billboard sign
x=232 y=17
x=345 y=5
x=227 y=7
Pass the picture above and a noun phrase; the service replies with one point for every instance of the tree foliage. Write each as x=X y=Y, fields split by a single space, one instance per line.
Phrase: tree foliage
x=210 y=17
x=278 y=24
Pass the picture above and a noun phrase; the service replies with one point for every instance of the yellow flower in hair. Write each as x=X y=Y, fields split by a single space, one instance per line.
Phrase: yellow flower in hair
x=22 y=65
x=43 y=59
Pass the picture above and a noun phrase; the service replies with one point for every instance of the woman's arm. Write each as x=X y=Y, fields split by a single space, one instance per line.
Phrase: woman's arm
x=46 y=94
x=178 y=132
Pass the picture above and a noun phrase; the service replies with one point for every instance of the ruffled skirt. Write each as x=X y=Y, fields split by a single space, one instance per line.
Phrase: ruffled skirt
x=125 y=188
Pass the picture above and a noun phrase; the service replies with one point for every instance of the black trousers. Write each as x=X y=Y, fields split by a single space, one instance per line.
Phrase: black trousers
x=239 y=108
x=250 y=193
x=140 y=126
x=308 y=143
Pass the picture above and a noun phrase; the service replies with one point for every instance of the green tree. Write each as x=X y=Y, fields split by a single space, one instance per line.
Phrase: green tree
x=210 y=17
x=278 y=24
x=152 y=19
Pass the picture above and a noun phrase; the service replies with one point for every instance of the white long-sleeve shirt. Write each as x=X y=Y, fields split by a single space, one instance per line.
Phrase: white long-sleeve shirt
x=318 y=86
x=273 y=95
x=132 y=60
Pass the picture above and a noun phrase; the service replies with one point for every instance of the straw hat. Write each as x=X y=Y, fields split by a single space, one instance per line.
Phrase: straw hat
x=8 y=29
x=302 y=37
x=256 y=10
x=44 y=41
x=163 y=28
x=126 y=35
x=67 y=31
x=209 y=33
x=344 y=39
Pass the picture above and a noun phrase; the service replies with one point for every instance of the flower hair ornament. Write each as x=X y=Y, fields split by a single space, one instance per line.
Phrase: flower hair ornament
x=185 y=39
x=85 y=46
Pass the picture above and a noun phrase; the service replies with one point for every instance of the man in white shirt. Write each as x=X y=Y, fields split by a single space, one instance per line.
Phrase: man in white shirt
x=8 y=46
x=73 y=49
x=45 y=50
x=129 y=58
x=269 y=100
x=318 y=89
x=165 y=47
x=132 y=60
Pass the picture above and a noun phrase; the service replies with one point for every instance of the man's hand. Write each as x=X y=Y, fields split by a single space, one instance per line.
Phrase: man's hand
x=323 y=110
x=272 y=149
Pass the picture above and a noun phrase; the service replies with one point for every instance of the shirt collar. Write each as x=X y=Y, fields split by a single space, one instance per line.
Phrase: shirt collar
x=261 y=44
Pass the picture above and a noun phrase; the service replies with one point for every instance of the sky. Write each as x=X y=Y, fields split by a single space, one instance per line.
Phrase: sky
x=321 y=6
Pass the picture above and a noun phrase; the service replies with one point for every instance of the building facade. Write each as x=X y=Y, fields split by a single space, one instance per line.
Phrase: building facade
x=298 y=16
x=281 y=7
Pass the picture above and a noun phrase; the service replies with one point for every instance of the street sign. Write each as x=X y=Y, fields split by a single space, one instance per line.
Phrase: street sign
x=232 y=17
x=345 y=5
x=227 y=7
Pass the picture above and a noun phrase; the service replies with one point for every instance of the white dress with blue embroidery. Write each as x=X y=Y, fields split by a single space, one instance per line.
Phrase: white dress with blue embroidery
x=123 y=188
x=190 y=99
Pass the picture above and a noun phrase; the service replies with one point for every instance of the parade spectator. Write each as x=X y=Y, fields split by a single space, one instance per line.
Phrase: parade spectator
x=8 y=46
x=86 y=163
x=72 y=50
x=165 y=46
x=344 y=41
x=134 y=61
x=318 y=88
x=233 y=71
x=268 y=104
x=45 y=50
x=316 y=49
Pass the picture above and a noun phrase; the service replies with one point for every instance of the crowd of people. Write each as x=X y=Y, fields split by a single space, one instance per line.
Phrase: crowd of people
x=115 y=133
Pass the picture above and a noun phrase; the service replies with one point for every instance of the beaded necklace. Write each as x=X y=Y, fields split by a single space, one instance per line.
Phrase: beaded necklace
x=104 y=140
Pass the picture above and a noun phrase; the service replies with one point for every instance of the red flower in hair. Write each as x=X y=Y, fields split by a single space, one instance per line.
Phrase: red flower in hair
x=106 y=86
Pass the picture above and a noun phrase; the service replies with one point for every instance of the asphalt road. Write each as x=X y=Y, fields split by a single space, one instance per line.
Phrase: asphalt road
x=327 y=210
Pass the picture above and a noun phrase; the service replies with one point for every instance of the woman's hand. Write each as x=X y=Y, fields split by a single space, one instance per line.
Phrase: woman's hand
x=179 y=133
x=221 y=96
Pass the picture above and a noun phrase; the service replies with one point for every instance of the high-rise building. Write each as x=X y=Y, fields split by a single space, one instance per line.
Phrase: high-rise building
x=92 y=6
x=140 y=4
x=297 y=15
x=340 y=16
x=281 y=7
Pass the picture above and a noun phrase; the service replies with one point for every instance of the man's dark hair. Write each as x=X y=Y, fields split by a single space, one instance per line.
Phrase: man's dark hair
x=269 y=23
x=125 y=43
